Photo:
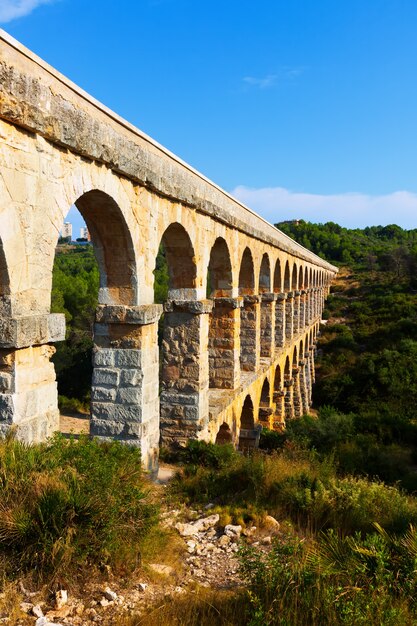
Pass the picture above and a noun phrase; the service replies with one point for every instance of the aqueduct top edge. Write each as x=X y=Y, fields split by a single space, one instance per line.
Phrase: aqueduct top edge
x=38 y=98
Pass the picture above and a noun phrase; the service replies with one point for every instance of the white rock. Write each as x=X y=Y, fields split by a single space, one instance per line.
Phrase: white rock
x=188 y=530
x=266 y=541
x=109 y=594
x=61 y=598
x=37 y=611
x=232 y=531
x=142 y=586
x=224 y=540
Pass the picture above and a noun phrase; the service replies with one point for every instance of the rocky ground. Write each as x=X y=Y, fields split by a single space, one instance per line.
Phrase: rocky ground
x=209 y=559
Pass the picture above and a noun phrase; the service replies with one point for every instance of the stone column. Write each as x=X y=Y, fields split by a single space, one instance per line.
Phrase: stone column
x=289 y=316
x=303 y=310
x=307 y=370
x=124 y=394
x=249 y=334
x=280 y=321
x=224 y=343
x=265 y=416
x=305 y=404
x=268 y=325
x=279 y=415
x=297 y=312
x=185 y=371
x=288 y=399
x=298 y=407
x=28 y=389
x=309 y=312
x=312 y=367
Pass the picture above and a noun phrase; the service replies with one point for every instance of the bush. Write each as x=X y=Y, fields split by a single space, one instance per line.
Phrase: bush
x=71 y=504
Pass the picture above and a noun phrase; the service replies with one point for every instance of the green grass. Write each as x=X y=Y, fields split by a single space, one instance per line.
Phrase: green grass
x=70 y=507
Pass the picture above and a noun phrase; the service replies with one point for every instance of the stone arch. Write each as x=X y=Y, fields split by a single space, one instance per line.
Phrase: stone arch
x=301 y=278
x=277 y=378
x=277 y=277
x=265 y=275
x=265 y=410
x=246 y=274
x=180 y=258
x=267 y=306
x=294 y=361
x=222 y=340
x=220 y=270
x=287 y=281
x=288 y=391
x=224 y=435
x=306 y=283
x=265 y=394
x=113 y=247
x=249 y=312
x=248 y=434
x=294 y=277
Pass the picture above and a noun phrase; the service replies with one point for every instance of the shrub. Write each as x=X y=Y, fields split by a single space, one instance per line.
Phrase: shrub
x=69 y=504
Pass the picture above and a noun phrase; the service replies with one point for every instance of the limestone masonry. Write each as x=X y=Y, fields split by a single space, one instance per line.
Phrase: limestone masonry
x=231 y=363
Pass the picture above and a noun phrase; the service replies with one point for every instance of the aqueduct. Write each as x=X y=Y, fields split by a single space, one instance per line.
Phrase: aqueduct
x=233 y=359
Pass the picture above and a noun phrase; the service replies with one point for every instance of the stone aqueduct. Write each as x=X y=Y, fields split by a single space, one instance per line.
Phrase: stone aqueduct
x=234 y=359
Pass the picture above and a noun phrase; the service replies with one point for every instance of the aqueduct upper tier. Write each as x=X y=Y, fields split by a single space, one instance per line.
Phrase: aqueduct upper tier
x=237 y=349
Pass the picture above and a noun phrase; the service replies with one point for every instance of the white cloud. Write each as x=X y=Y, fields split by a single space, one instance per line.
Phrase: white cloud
x=12 y=9
x=353 y=210
x=262 y=83
x=284 y=73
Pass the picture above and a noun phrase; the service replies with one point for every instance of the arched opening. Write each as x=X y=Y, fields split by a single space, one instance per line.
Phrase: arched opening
x=278 y=398
x=287 y=283
x=277 y=277
x=265 y=275
x=220 y=270
x=248 y=435
x=178 y=250
x=222 y=341
x=306 y=285
x=184 y=363
x=246 y=274
x=294 y=277
x=288 y=383
x=96 y=267
x=224 y=435
x=249 y=350
x=289 y=305
x=296 y=386
x=113 y=247
x=267 y=306
x=265 y=409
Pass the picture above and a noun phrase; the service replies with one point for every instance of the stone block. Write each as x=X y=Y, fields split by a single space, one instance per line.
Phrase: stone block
x=103 y=394
x=128 y=358
x=131 y=377
x=129 y=395
x=116 y=412
x=6 y=408
x=105 y=376
x=104 y=358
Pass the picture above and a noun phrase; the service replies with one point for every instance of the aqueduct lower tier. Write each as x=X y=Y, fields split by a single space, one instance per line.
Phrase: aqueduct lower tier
x=238 y=347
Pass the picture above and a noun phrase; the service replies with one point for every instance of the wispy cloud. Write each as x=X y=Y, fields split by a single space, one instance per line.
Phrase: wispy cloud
x=270 y=80
x=12 y=9
x=353 y=210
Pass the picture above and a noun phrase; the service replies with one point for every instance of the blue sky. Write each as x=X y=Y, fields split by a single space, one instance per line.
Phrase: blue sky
x=301 y=108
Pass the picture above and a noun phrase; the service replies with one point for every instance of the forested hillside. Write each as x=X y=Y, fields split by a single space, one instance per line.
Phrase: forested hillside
x=367 y=365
